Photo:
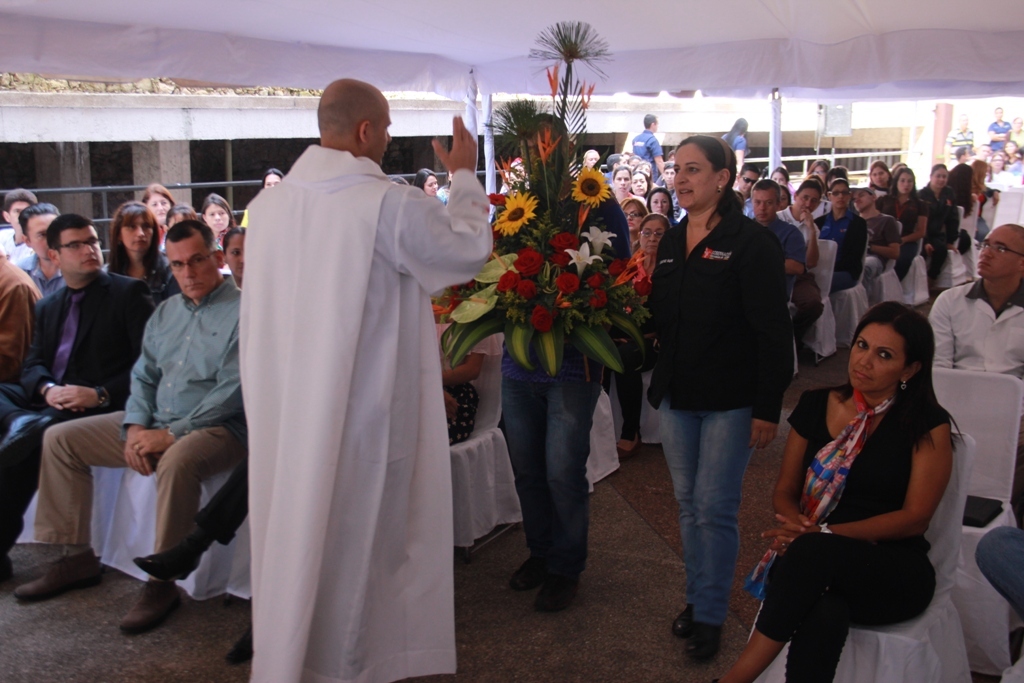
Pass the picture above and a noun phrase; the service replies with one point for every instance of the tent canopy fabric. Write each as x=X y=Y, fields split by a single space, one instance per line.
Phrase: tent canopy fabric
x=845 y=49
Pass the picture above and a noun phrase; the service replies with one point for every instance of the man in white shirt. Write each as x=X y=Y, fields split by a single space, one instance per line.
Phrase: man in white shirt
x=980 y=325
x=12 y=239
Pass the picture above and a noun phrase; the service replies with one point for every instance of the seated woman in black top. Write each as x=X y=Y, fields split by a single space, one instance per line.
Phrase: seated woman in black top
x=853 y=550
x=135 y=250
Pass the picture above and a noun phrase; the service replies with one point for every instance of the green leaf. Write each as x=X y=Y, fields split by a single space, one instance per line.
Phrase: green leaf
x=446 y=337
x=626 y=324
x=517 y=341
x=495 y=268
x=475 y=307
x=596 y=343
x=549 y=347
x=472 y=334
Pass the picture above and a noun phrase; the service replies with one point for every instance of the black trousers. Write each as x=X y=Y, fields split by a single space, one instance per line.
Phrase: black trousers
x=908 y=252
x=221 y=517
x=19 y=480
x=825 y=582
x=629 y=386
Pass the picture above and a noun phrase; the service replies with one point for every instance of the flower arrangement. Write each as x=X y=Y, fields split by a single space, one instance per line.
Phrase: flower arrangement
x=552 y=278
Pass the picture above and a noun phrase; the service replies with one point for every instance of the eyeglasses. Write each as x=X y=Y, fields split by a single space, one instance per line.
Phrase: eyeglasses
x=748 y=181
x=634 y=214
x=192 y=262
x=91 y=243
x=650 y=234
x=1001 y=248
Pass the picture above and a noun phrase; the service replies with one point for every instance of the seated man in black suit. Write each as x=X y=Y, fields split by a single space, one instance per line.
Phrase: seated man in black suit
x=86 y=338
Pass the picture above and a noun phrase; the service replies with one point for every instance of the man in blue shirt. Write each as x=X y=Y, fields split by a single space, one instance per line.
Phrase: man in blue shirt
x=41 y=268
x=998 y=131
x=765 y=199
x=183 y=421
x=647 y=147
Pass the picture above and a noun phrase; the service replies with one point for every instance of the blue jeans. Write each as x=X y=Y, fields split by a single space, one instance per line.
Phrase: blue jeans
x=707 y=453
x=842 y=280
x=1000 y=556
x=548 y=429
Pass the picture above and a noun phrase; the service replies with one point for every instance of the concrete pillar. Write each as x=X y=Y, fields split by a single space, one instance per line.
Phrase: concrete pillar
x=65 y=164
x=943 y=126
x=166 y=162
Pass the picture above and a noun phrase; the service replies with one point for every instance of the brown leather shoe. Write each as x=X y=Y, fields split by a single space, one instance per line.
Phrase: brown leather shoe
x=159 y=599
x=69 y=572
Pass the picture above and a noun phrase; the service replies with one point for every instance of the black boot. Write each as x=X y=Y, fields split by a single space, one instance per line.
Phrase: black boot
x=241 y=651
x=704 y=642
x=178 y=562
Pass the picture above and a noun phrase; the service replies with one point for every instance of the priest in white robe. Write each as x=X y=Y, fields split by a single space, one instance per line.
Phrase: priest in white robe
x=350 y=483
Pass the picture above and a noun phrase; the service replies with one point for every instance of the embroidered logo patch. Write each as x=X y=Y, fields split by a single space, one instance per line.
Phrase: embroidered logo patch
x=666 y=260
x=712 y=255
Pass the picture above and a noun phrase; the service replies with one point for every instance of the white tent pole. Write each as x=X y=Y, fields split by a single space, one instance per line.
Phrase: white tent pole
x=775 y=136
x=471 y=118
x=489 y=181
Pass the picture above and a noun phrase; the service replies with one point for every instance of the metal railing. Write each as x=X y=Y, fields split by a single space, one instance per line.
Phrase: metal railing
x=889 y=156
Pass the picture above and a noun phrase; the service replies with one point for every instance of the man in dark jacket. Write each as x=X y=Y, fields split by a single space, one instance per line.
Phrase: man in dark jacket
x=86 y=338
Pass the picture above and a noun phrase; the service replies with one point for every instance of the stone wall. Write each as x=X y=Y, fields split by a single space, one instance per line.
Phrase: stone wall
x=23 y=82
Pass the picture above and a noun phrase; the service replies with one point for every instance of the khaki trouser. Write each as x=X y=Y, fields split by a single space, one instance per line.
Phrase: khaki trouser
x=70 y=449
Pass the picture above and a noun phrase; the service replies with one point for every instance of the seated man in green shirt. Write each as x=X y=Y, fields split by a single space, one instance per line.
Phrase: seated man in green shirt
x=183 y=421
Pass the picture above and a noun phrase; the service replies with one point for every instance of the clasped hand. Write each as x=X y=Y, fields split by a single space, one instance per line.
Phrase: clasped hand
x=73 y=398
x=788 y=531
x=143 y=447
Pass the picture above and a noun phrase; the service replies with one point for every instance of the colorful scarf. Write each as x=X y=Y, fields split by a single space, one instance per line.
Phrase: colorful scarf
x=826 y=479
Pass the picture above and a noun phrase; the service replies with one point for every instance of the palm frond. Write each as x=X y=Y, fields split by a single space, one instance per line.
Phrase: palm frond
x=572 y=41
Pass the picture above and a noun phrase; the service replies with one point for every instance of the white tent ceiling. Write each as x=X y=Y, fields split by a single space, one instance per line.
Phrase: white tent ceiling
x=839 y=49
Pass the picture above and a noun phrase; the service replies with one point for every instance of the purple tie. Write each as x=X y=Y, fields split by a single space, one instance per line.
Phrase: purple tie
x=67 y=337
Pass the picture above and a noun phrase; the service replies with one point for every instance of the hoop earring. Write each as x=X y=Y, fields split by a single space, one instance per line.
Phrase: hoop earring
x=903 y=385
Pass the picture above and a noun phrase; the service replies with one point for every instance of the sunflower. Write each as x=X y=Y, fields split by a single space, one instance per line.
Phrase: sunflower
x=520 y=209
x=590 y=188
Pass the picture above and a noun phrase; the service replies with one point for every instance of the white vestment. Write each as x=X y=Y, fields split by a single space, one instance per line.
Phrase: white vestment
x=350 y=476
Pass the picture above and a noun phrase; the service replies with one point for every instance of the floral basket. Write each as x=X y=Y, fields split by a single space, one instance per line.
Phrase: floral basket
x=552 y=278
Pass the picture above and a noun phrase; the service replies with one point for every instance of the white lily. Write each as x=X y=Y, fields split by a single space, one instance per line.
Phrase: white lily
x=582 y=258
x=598 y=238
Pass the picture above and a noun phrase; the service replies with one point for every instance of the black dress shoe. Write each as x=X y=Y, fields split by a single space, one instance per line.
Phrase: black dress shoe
x=682 y=627
x=23 y=436
x=556 y=594
x=241 y=651
x=529 y=575
x=178 y=562
x=6 y=570
x=704 y=642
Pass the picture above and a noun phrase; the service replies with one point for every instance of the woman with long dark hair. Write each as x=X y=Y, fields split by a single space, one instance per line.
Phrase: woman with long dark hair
x=622 y=182
x=736 y=138
x=217 y=213
x=864 y=470
x=943 y=231
x=659 y=200
x=880 y=177
x=719 y=308
x=135 y=250
x=903 y=204
x=426 y=180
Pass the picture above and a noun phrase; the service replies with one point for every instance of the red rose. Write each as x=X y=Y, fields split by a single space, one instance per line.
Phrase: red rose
x=497 y=199
x=527 y=289
x=595 y=280
x=561 y=259
x=541 y=319
x=599 y=299
x=508 y=281
x=564 y=240
x=616 y=267
x=642 y=287
x=529 y=261
x=567 y=283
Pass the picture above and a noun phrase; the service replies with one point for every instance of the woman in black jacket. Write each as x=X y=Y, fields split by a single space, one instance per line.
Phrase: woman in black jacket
x=719 y=308
x=943 y=233
x=849 y=231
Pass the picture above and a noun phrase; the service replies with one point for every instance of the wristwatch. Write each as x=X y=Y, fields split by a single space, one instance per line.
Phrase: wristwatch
x=824 y=528
x=46 y=387
x=104 y=397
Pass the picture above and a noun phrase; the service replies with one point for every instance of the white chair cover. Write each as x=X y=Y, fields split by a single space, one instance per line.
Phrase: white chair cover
x=886 y=287
x=987 y=406
x=849 y=306
x=483 y=485
x=604 y=458
x=969 y=224
x=821 y=337
x=1014 y=674
x=1009 y=210
x=953 y=272
x=929 y=647
x=650 y=422
x=915 y=282
x=124 y=527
